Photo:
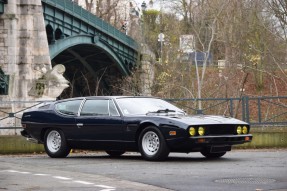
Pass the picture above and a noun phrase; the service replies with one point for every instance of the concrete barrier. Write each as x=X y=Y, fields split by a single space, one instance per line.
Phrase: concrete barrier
x=263 y=137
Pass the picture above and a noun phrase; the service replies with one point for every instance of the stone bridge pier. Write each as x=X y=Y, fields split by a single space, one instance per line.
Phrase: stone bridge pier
x=24 y=58
x=24 y=50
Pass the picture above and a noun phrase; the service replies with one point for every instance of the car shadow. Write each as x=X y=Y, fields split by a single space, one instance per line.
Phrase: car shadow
x=138 y=157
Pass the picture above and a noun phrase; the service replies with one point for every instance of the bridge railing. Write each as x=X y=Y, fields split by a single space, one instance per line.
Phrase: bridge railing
x=254 y=110
x=77 y=11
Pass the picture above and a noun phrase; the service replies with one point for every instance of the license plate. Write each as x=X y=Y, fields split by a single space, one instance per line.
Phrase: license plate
x=219 y=149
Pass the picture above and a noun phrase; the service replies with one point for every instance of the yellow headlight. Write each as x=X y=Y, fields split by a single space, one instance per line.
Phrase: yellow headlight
x=192 y=131
x=239 y=130
x=201 y=131
x=244 y=130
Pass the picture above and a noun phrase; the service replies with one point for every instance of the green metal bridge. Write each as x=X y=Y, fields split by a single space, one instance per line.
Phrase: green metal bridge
x=90 y=48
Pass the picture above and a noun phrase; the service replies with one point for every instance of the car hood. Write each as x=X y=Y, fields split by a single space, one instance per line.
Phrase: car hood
x=206 y=120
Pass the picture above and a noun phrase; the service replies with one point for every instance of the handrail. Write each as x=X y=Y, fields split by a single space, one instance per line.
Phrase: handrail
x=84 y=15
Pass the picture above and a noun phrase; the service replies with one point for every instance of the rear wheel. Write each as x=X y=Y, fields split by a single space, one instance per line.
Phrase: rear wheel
x=152 y=145
x=55 y=144
x=210 y=155
x=115 y=153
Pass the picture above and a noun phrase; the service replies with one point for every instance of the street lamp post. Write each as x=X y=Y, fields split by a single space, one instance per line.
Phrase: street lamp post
x=161 y=40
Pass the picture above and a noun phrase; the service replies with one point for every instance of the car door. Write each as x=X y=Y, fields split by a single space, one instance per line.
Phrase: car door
x=66 y=112
x=100 y=124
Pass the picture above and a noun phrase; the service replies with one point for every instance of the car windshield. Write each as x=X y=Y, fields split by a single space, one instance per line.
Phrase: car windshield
x=146 y=106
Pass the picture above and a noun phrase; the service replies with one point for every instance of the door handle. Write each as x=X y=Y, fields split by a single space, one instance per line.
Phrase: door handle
x=80 y=125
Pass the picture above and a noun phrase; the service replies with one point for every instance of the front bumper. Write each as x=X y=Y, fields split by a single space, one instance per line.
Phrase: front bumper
x=199 y=143
x=225 y=139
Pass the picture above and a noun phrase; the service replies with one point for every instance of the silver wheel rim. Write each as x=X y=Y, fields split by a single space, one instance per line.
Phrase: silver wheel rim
x=150 y=143
x=54 y=141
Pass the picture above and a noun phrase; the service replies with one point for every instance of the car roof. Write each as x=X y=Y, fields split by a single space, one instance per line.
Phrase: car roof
x=105 y=97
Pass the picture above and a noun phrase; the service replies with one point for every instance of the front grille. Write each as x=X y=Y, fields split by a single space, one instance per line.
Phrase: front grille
x=221 y=129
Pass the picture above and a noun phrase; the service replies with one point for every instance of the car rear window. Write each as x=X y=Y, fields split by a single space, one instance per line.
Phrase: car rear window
x=68 y=107
x=45 y=106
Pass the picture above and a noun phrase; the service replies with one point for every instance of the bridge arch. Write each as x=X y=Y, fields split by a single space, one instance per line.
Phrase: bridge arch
x=82 y=41
x=89 y=59
x=66 y=43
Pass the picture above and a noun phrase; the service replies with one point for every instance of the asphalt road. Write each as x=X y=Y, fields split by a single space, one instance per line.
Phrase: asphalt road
x=238 y=170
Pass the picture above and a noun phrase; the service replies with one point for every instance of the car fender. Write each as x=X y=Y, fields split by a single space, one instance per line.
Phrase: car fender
x=168 y=130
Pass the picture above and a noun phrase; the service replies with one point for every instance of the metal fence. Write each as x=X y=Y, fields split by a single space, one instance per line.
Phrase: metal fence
x=254 y=110
x=11 y=112
x=257 y=111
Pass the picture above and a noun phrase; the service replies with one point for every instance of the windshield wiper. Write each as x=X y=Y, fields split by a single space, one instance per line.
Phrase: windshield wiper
x=162 y=111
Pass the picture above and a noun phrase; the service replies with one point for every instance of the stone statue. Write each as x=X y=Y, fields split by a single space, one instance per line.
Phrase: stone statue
x=51 y=84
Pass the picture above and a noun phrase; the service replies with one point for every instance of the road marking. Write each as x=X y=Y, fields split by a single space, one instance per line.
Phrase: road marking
x=41 y=174
x=62 y=178
x=83 y=182
x=11 y=171
x=15 y=171
x=105 y=188
x=24 y=172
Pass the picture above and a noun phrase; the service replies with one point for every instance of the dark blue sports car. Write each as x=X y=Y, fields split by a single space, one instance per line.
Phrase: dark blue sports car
x=117 y=124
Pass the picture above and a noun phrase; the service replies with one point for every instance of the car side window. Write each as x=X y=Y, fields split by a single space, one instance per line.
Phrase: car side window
x=68 y=107
x=99 y=107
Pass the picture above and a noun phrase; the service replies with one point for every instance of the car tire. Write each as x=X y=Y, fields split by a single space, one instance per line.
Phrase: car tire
x=152 y=144
x=210 y=155
x=55 y=144
x=115 y=153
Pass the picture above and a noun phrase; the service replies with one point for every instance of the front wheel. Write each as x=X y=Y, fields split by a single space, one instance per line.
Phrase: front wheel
x=152 y=145
x=55 y=144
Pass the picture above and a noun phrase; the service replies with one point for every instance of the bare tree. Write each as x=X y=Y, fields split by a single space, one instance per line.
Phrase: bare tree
x=206 y=47
x=106 y=9
x=279 y=8
x=200 y=18
x=89 y=4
